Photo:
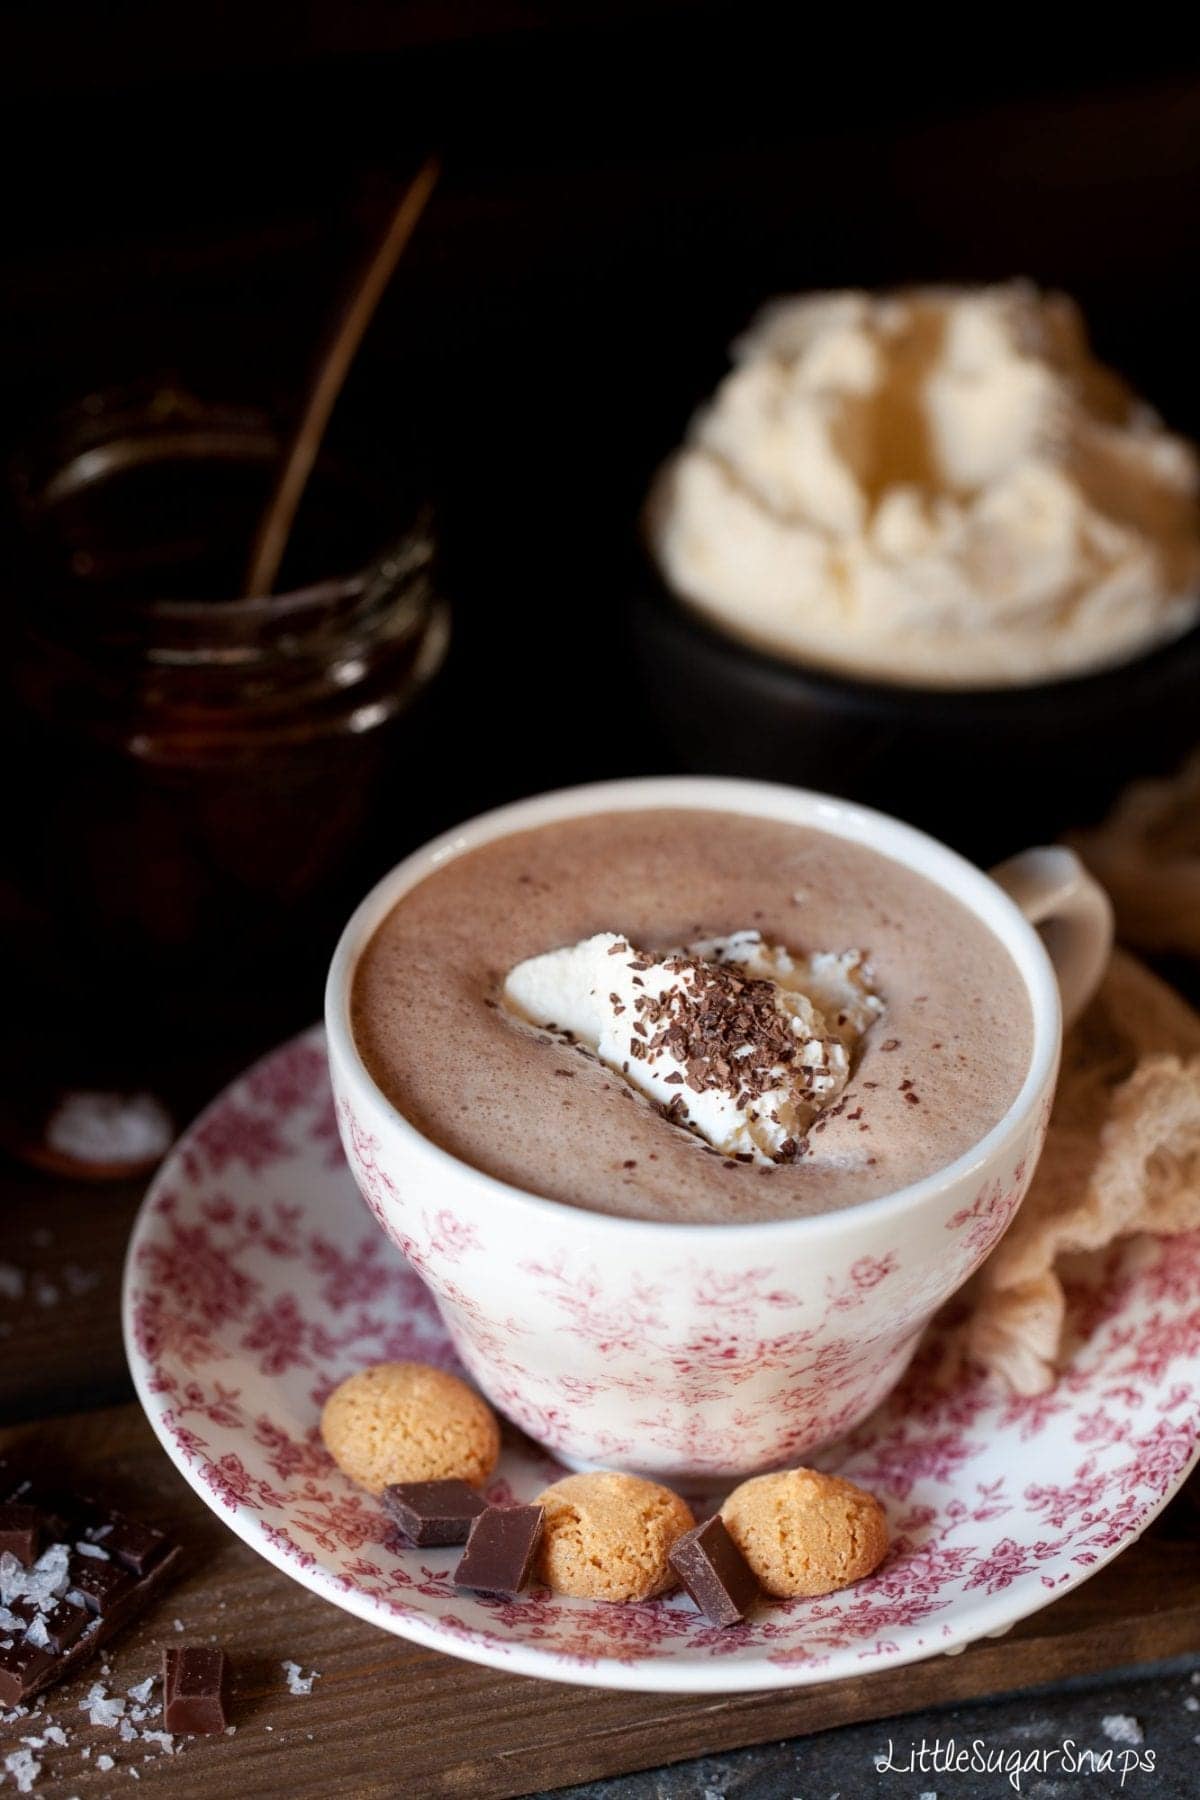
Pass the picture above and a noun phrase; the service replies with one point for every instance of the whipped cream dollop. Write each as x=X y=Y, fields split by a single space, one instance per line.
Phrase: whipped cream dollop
x=938 y=487
x=735 y=1038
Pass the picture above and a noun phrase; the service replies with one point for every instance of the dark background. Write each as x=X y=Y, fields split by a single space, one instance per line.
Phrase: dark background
x=190 y=187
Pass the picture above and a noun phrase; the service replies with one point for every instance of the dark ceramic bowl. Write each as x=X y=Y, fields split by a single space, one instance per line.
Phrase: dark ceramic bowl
x=988 y=771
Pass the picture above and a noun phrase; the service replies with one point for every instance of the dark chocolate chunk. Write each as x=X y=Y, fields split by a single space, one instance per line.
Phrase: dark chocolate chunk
x=714 y=1572
x=63 y=1624
x=193 y=1689
x=102 y=1596
x=20 y=1531
x=136 y=1547
x=500 y=1550
x=433 y=1512
x=21 y=1683
x=101 y=1582
x=23 y=1668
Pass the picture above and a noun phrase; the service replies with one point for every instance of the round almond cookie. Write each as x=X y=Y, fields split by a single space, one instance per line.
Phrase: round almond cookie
x=606 y=1536
x=804 y=1533
x=407 y=1422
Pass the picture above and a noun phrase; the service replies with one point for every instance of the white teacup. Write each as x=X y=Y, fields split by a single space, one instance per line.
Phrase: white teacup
x=700 y=1352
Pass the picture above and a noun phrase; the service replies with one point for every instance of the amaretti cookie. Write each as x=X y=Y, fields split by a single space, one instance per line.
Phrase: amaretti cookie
x=400 y=1422
x=607 y=1536
x=804 y=1533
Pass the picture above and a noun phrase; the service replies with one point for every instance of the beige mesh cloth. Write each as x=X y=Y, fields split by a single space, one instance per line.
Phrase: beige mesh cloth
x=1147 y=854
x=1122 y=1156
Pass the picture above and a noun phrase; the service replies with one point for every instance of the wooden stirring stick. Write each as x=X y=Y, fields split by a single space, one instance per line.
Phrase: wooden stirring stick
x=275 y=529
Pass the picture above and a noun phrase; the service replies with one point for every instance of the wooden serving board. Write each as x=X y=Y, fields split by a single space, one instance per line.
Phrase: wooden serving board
x=388 y=1717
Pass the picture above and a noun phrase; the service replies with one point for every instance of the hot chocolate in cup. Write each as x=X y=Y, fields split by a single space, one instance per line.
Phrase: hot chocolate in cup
x=706 y=1351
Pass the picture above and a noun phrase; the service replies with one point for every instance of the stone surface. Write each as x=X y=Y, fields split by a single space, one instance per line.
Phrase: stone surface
x=841 y=1765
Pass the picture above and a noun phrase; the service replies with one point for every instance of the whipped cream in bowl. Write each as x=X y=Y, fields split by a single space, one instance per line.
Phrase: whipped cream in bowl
x=735 y=1039
x=935 y=488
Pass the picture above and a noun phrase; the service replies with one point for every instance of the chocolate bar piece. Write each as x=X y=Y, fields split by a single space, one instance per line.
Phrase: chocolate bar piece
x=433 y=1512
x=24 y=1668
x=500 y=1550
x=714 y=1572
x=135 y=1546
x=20 y=1531
x=63 y=1625
x=57 y=1633
x=101 y=1582
x=194 y=1690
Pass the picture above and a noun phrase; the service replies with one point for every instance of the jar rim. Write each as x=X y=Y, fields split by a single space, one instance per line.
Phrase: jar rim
x=386 y=601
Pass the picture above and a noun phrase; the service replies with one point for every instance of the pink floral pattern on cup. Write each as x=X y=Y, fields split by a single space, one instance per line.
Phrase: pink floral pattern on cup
x=690 y=1366
x=256 y=1281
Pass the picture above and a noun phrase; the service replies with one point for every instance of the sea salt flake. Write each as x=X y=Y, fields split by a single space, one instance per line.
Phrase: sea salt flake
x=298 y=1683
x=110 y=1128
x=142 y=1692
x=53 y=1734
x=12 y=1282
x=1122 y=1728
x=37 y=1634
x=102 y=1707
x=105 y=1761
x=178 y=1624
x=1191 y=1704
x=128 y=1731
x=86 y=1549
x=24 y=1768
x=43 y=1584
x=164 y=1738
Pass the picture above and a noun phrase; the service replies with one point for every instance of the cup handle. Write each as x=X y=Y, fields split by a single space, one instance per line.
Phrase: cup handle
x=1055 y=891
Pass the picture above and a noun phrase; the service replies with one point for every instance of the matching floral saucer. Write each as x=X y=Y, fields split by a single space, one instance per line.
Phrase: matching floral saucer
x=256 y=1279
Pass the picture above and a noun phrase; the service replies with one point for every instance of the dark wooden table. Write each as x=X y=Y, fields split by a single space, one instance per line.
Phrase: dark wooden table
x=386 y=1717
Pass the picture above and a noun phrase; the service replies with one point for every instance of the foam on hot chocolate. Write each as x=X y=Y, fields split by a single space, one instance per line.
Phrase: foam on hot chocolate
x=925 y=1083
